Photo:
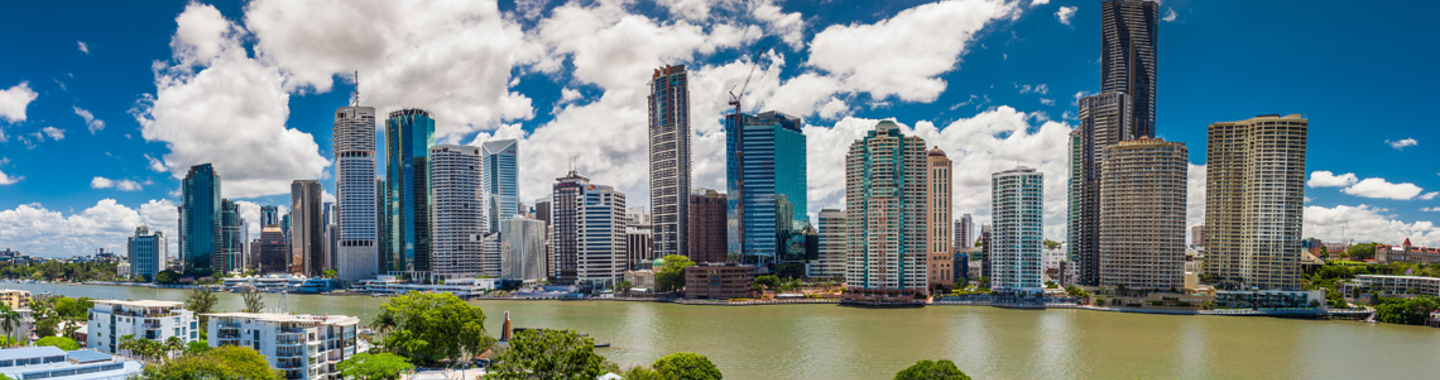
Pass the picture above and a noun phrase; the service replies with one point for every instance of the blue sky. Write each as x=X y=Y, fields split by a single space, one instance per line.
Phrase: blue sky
x=251 y=87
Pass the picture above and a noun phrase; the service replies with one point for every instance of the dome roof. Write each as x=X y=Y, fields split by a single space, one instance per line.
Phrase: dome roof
x=937 y=152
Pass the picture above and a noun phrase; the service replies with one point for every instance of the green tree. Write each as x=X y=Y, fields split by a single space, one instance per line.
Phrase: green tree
x=60 y=342
x=686 y=366
x=1051 y=244
x=769 y=282
x=366 y=366
x=1362 y=251
x=174 y=346
x=1409 y=311
x=10 y=320
x=548 y=354
x=167 y=277
x=201 y=301
x=221 y=363
x=642 y=373
x=671 y=277
x=932 y=370
x=196 y=347
x=329 y=273
x=254 y=301
x=73 y=308
x=428 y=328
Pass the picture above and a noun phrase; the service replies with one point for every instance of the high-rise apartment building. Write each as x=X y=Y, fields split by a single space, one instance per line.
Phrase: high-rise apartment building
x=1018 y=204
x=1254 y=201
x=232 y=237
x=501 y=186
x=274 y=252
x=766 y=179
x=1127 y=57
x=831 y=264
x=522 y=250
x=707 y=227
x=148 y=253
x=589 y=231
x=1197 y=235
x=1104 y=122
x=1142 y=220
x=669 y=104
x=200 y=239
x=456 y=211
x=409 y=134
x=940 y=261
x=152 y=320
x=964 y=232
x=887 y=212
x=307 y=241
x=356 y=254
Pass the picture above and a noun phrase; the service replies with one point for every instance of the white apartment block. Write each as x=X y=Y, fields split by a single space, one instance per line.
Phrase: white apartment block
x=303 y=347
x=1018 y=204
x=456 y=212
x=601 y=232
x=831 y=263
x=146 y=319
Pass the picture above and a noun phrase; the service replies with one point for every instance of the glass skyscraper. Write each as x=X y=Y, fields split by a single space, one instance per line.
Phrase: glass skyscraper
x=409 y=134
x=200 y=240
x=1127 y=57
x=501 y=186
x=766 y=180
x=232 y=237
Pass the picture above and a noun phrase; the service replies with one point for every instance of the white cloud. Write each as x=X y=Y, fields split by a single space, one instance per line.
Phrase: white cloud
x=1366 y=224
x=155 y=165
x=8 y=180
x=1430 y=209
x=55 y=134
x=84 y=48
x=119 y=184
x=90 y=121
x=1065 y=13
x=1169 y=14
x=789 y=26
x=1429 y=195
x=1324 y=178
x=35 y=230
x=1401 y=144
x=569 y=95
x=1379 y=188
x=1048 y=102
x=1036 y=3
x=1194 y=197
x=13 y=101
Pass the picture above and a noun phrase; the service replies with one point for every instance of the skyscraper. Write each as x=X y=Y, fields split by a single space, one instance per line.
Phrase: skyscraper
x=274 y=252
x=307 y=242
x=595 y=216
x=1142 y=220
x=500 y=184
x=456 y=212
x=669 y=104
x=1018 y=203
x=707 y=227
x=522 y=247
x=887 y=182
x=1127 y=57
x=964 y=232
x=831 y=264
x=232 y=237
x=766 y=179
x=1104 y=121
x=941 y=259
x=200 y=240
x=409 y=134
x=1254 y=201
x=356 y=254
x=147 y=251
x=269 y=216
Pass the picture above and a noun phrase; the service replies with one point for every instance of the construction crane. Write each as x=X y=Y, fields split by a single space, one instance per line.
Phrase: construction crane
x=739 y=130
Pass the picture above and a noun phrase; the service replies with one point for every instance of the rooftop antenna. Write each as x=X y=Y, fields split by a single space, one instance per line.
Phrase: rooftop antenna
x=355 y=96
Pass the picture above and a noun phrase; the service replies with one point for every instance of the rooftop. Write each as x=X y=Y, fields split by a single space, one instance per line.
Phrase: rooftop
x=30 y=352
x=274 y=317
x=88 y=356
x=141 y=303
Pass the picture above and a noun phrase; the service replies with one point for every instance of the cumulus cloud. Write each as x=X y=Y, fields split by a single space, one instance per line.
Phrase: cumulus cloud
x=789 y=26
x=35 y=230
x=83 y=48
x=8 y=180
x=1401 y=144
x=119 y=184
x=1429 y=195
x=155 y=164
x=1036 y=3
x=1324 y=178
x=1169 y=14
x=1430 y=209
x=55 y=134
x=1379 y=188
x=1065 y=13
x=1365 y=223
x=13 y=102
x=90 y=121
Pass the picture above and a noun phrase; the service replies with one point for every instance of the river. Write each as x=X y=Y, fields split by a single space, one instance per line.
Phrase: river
x=833 y=342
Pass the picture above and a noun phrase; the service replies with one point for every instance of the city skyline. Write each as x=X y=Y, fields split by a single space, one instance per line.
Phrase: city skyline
x=119 y=188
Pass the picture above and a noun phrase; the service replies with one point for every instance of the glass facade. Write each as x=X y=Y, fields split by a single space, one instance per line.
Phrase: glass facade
x=200 y=240
x=766 y=179
x=232 y=236
x=409 y=134
x=501 y=186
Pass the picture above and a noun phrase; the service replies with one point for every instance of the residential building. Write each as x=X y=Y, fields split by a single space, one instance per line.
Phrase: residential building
x=1254 y=201
x=1104 y=121
x=152 y=320
x=669 y=104
x=1142 y=222
x=831 y=264
x=200 y=240
x=718 y=281
x=1197 y=235
x=49 y=362
x=500 y=183
x=299 y=346
x=1017 y=201
x=148 y=252
x=15 y=299
x=766 y=179
x=964 y=232
x=1130 y=35
x=307 y=227
x=274 y=253
x=594 y=215
x=232 y=237
x=707 y=227
x=1405 y=253
x=356 y=254
x=1391 y=286
x=941 y=258
x=409 y=134
x=886 y=198
x=522 y=250
x=456 y=212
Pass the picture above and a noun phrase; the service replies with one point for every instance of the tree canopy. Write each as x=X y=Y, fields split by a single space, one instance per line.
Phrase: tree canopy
x=686 y=366
x=672 y=276
x=367 y=366
x=60 y=342
x=429 y=328
x=932 y=370
x=548 y=354
x=221 y=363
x=201 y=301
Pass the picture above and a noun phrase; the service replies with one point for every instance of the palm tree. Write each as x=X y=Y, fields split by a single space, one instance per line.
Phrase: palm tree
x=127 y=344
x=173 y=344
x=9 y=320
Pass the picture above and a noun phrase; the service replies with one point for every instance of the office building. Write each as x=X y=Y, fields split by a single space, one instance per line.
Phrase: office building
x=669 y=104
x=831 y=264
x=1103 y=123
x=707 y=227
x=148 y=252
x=542 y=213
x=964 y=232
x=1127 y=60
x=200 y=240
x=50 y=362
x=886 y=207
x=269 y=216
x=941 y=259
x=718 y=281
x=299 y=346
x=307 y=240
x=1254 y=201
x=232 y=237
x=455 y=211
x=766 y=180
x=356 y=254
x=145 y=319
x=1018 y=204
x=1142 y=217
x=490 y=260
x=409 y=134
x=500 y=170
x=638 y=245
x=274 y=253
x=594 y=215
x=522 y=250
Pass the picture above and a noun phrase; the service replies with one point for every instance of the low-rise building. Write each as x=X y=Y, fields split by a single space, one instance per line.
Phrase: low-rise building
x=1391 y=286
x=641 y=278
x=1269 y=299
x=461 y=287
x=301 y=346
x=715 y=281
x=1405 y=253
x=145 y=319
x=15 y=299
x=52 y=363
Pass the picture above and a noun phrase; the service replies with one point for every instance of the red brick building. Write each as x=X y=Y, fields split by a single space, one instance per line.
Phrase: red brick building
x=707 y=227
x=718 y=281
